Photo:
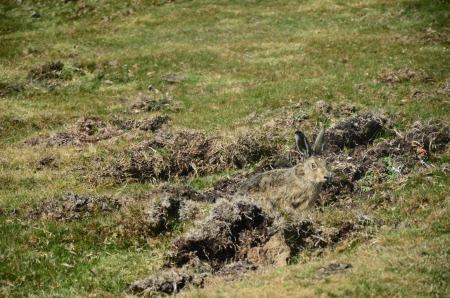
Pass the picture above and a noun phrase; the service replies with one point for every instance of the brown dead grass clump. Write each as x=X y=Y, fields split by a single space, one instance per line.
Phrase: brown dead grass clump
x=391 y=77
x=156 y=101
x=92 y=130
x=75 y=207
x=161 y=210
x=168 y=282
x=85 y=130
x=190 y=153
x=149 y=218
x=51 y=70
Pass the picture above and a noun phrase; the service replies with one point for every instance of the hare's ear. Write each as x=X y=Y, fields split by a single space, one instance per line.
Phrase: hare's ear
x=320 y=140
x=302 y=144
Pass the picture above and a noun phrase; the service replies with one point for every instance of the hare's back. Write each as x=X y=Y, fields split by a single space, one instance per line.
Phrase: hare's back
x=263 y=181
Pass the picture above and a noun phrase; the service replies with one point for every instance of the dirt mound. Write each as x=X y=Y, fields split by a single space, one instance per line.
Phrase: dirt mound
x=244 y=234
x=60 y=139
x=194 y=274
x=153 y=124
x=92 y=130
x=85 y=130
x=188 y=153
x=359 y=130
x=163 y=209
x=274 y=252
x=357 y=171
x=226 y=234
x=151 y=218
x=51 y=70
x=396 y=76
x=304 y=234
x=166 y=156
x=74 y=207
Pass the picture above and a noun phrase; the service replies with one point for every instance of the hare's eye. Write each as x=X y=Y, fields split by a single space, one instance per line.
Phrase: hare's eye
x=313 y=166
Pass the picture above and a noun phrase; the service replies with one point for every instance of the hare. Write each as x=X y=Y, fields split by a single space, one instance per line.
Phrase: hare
x=294 y=188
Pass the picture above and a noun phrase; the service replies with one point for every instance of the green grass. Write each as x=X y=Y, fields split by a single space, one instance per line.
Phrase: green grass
x=239 y=57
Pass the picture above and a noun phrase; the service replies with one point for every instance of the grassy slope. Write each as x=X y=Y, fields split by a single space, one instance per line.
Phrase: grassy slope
x=240 y=57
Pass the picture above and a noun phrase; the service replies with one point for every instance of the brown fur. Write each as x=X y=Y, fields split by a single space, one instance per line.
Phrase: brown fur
x=295 y=188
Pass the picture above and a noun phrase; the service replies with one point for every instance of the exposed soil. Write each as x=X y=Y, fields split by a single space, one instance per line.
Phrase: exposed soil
x=194 y=274
x=61 y=139
x=359 y=130
x=230 y=229
x=74 y=207
x=238 y=234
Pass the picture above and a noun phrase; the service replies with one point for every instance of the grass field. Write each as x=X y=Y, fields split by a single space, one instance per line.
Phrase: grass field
x=228 y=67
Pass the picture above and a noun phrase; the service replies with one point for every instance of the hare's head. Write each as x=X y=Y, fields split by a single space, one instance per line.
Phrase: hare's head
x=314 y=168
